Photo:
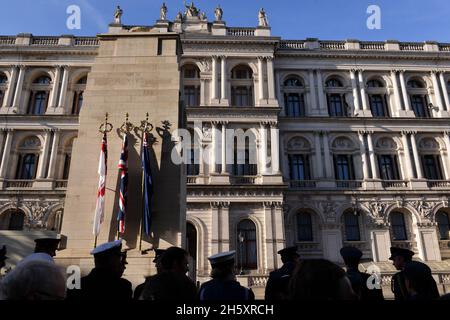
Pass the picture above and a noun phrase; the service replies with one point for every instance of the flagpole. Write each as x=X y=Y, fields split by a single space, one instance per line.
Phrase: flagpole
x=104 y=129
x=145 y=127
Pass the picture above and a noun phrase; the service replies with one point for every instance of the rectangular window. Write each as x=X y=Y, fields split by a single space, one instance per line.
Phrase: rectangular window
x=398 y=226
x=241 y=96
x=343 y=165
x=352 y=227
x=299 y=167
x=193 y=166
x=66 y=170
x=432 y=167
x=420 y=106
x=295 y=105
x=304 y=227
x=378 y=105
x=336 y=105
x=191 y=96
x=388 y=167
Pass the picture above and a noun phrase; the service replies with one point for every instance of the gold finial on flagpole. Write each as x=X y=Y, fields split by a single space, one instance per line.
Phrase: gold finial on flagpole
x=127 y=126
x=105 y=127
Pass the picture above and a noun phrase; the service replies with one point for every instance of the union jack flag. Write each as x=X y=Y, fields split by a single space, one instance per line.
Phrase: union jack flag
x=123 y=193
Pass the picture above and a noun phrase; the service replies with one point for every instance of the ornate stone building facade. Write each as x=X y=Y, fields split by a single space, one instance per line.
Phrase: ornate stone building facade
x=342 y=142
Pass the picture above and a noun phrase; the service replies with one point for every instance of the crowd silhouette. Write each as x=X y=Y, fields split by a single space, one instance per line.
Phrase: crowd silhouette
x=298 y=279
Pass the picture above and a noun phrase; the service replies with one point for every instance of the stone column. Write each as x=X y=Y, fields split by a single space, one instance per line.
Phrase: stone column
x=19 y=87
x=6 y=153
x=445 y=165
x=215 y=227
x=380 y=241
x=408 y=163
x=214 y=80
x=270 y=80
x=312 y=93
x=260 y=80
x=318 y=165
x=224 y=148
x=269 y=236
x=416 y=156
x=398 y=101
x=355 y=92
x=363 y=155
x=54 y=155
x=223 y=83
x=362 y=86
x=280 y=239
x=322 y=99
x=446 y=159
x=405 y=91
x=54 y=95
x=201 y=164
x=437 y=92
x=43 y=159
x=280 y=96
x=213 y=150
x=328 y=161
x=202 y=92
x=63 y=94
x=444 y=91
x=11 y=86
x=373 y=160
x=275 y=150
x=263 y=149
x=224 y=229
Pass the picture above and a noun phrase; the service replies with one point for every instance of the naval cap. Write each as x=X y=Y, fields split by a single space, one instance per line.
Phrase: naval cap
x=114 y=246
x=351 y=253
x=222 y=257
x=395 y=252
x=48 y=242
x=289 y=251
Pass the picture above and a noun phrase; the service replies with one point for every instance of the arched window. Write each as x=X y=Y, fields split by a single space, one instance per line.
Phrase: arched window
x=191 y=85
x=39 y=95
x=377 y=93
x=294 y=98
x=398 y=226
x=78 y=95
x=191 y=248
x=337 y=105
x=343 y=151
x=418 y=96
x=242 y=86
x=443 y=221
x=429 y=150
x=3 y=87
x=387 y=156
x=245 y=157
x=28 y=157
x=247 y=246
x=13 y=219
x=304 y=227
x=351 y=224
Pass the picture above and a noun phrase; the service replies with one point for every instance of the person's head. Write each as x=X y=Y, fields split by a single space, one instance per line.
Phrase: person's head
x=34 y=280
x=174 y=259
x=419 y=280
x=109 y=256
x=289 y=254
x=222 y=265
x=320 y=279
x=351 y=256
x=47 y=245
x=157 y=260
x=400 y=257
x=3 y=256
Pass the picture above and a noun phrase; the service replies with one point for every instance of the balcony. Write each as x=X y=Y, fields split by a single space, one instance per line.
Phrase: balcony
x=438 y=184
x=243 y=180
x=19 y=184
x=394 y=184
x=191 y=180
x=361 y=245
x=349 y=184
x=303 y=184
x=61 y=184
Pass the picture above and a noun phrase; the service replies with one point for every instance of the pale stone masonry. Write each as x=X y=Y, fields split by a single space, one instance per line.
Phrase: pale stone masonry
x=351 y=144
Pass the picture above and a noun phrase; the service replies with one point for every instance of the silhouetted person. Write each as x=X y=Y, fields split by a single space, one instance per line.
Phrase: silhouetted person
x=223 y=285
x=105 y=280
x=3 y=257
x=157 y=262
x=400 y=258
x=320 y=280
x=278 y=283
x=171 y=283
x=47 y=245
x=34 y=280
x=352 y=257
x=419 y=282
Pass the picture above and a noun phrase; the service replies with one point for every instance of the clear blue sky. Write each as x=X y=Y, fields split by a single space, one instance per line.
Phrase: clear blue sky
x=405 y=20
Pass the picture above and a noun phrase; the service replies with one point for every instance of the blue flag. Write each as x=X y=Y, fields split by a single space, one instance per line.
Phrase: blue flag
x=148 y=187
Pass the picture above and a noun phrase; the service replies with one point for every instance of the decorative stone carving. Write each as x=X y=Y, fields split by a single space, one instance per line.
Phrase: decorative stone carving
x=424 y=208
x=118 y=15
x=386 y=144
x=179 y=16
x=203 y=16
x=205 y=65
x=429 y=144
x=38 y=211
x=218 y=13
x=377 y=209
x=329 y=210
x=31 y=142
x=207 y=131
x=191 y=11
x=163 y=12
x=262 y=18
x=299 y=143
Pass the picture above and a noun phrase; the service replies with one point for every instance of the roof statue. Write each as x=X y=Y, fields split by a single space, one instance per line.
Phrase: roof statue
x=262 y=17
x=118 y=15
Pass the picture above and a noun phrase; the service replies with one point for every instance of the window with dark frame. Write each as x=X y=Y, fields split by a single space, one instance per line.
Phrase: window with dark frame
x=398 y=226
x=295 y=105
x=443 y=221
x=192 y=96
x=299 y=167
x=378 y=105
x=388 y=166
x=304 y=227
x=420 y=106
x=336 y=105
x=27 y=166
x=38 y=103
x=248 y=254
x=432 y=167
x=344 y=167
x=351 y=224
